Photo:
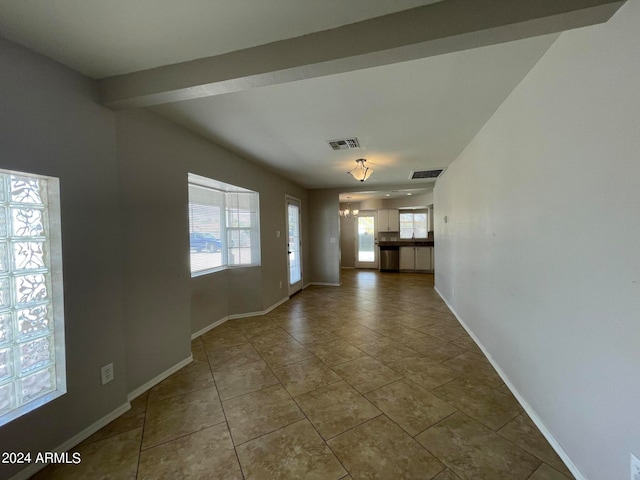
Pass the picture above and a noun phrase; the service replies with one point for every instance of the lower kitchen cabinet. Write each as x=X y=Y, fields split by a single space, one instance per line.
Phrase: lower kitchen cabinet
x=416 y=259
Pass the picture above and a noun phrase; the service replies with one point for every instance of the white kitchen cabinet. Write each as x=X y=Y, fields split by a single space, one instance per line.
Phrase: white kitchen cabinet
x=389 y=220
x=416 y=259
x=407 y=258
x=423 y=258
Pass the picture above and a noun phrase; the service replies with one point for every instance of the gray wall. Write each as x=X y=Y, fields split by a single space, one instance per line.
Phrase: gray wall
x=539 y=256
x=324 y=214
x=129 y=298
x=50 y=125
x=164 y=305
x=153 y=200
x=348 y=238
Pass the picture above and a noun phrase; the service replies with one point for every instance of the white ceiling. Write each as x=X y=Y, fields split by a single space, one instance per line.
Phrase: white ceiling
x=385 y=194
x=102 y=38
x=411 y=115
x=407 y=116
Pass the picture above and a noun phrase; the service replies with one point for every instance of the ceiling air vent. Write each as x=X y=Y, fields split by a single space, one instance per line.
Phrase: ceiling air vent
x=344 y=143
x=416 y=174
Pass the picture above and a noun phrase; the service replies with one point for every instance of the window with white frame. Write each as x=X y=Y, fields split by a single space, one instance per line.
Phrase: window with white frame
x=413 y=225
x=224 y=225
x=32 y=348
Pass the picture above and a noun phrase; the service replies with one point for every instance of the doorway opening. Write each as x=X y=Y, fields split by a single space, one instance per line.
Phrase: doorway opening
x=294 y=245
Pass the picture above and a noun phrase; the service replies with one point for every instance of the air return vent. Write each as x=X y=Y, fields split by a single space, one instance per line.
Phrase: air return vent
x=344 y=143
x=416 y=174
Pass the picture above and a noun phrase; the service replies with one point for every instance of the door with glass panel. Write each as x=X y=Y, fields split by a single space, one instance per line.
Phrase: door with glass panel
x=366 y=241
x=294 y=245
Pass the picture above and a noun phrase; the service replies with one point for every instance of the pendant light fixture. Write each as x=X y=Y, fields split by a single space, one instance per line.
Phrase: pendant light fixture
x=361 y=172
x=349 y=212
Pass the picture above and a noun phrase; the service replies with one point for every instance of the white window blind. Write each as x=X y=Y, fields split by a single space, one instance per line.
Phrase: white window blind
x=32 y=348
x=224 y=225
x=413 y=225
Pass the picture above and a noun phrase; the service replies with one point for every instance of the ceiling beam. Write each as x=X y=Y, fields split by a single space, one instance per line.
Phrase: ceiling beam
x=444 y=27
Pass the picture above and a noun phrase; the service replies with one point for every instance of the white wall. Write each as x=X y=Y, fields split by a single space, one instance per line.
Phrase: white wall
x=408 y=201
x=540 y=256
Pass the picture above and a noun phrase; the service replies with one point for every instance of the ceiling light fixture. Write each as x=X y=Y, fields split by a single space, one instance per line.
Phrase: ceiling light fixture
x=361 y=172
x=349 y=212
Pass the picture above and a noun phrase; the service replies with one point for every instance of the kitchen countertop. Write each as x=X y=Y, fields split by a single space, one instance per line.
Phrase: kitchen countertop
x=406 y=243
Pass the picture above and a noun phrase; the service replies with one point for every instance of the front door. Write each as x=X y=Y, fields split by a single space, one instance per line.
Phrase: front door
x=294 y=245
x=366 y=241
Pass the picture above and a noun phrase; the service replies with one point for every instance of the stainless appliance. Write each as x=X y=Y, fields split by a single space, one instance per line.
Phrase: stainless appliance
x=389 y=259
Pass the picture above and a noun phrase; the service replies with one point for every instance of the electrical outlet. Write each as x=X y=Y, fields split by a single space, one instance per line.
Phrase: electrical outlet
x=280 y=283
x=106 y=373
x=635 y=467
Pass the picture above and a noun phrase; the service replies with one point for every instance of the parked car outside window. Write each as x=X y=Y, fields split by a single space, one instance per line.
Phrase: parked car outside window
x=204 y=242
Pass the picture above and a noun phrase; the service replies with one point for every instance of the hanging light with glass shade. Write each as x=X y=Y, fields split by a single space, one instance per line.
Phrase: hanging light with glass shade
x=361 y=172
x=349 y=212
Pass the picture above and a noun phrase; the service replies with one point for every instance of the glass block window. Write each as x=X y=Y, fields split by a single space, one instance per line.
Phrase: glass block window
x=224 y=225
x=32 y=369
x=413 y=225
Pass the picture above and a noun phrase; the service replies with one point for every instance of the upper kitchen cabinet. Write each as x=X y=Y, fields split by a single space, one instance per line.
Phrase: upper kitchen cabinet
x=388 y=220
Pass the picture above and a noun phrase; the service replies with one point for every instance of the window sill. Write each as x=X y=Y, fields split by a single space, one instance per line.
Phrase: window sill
x=202 y=273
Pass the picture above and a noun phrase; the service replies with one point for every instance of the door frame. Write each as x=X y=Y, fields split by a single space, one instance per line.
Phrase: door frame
x=375 y=263
x=296 y=287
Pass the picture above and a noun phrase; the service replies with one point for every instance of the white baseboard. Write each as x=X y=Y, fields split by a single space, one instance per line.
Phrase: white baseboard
x=156 y=380
x=209 y=327
x=347 y=268
x=525 y=405
x=91 y=429
x=75 y=440
x=322 y=284
x=277 y=304
x=262 y=312
x=236 y=316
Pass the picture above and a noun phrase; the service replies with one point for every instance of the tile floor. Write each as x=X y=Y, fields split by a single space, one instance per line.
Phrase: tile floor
x=372 y=380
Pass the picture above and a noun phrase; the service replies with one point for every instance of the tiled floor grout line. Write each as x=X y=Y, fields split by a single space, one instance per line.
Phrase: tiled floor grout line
x=183 y=436
x=438 y=422
x=457 y=410
x=302 y=310
x=224 y=413
x=381 y=414
x=305 y=417
x=325 y=441
x=177 y=396
x=328 y=446
x=271 y=431
x=146 y=408
x=288 y=393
